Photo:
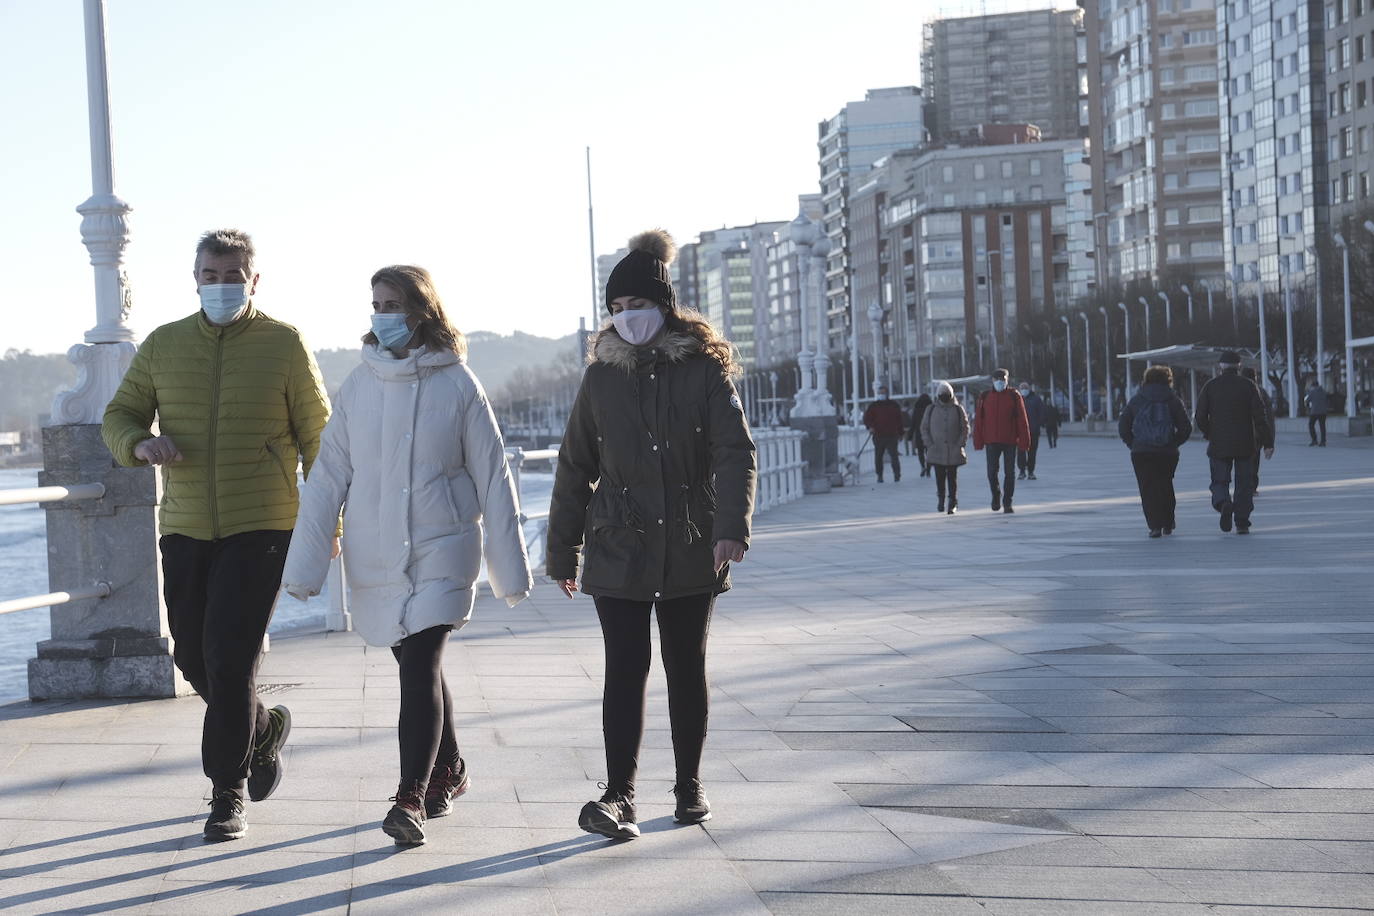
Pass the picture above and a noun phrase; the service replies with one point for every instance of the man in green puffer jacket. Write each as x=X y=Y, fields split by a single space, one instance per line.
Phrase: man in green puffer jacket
x=238 y=402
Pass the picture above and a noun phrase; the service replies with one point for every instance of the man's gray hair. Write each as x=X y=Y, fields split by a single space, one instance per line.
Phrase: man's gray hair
x=228 y=241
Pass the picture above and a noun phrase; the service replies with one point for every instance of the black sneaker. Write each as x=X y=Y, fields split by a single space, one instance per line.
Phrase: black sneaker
x=445 y=784
x=692 y=806
x=226 y=821
x=1226 y=519
x=997 y=503
x=1021 y=476
x=1007 y=509
x=940 y=506
x=267 y=767
x=612 y=816
x=1030 y=475
x=1156 y=532
x=405 y=822
x=1242 y=529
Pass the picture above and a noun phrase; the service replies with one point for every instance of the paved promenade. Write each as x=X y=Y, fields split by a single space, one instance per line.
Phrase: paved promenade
x=911 y=713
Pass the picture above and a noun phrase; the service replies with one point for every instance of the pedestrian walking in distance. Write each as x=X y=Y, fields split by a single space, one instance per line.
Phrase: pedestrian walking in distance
x=1153 y=425
x=414 y=457
x=884 y=420
x=1051 y=420
x=655 y=489
x=1317 y=407
x=1035 y=418
x=914 y=435
x=1000 y=426
x=1231 y=415
x=239 y=403
x=944 y=427
x=1249 y=373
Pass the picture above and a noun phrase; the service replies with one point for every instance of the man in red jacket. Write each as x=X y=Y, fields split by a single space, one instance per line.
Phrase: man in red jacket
x=884 y=420
x=1000 y=424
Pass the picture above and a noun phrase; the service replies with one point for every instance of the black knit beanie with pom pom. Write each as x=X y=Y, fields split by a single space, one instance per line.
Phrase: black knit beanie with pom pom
x=644 y=271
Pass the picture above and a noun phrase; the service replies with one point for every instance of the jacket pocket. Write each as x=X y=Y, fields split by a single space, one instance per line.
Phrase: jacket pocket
x=288 y=475
x=615 y=540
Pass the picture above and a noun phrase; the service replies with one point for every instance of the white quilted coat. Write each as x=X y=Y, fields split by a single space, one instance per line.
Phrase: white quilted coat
x=413 y=454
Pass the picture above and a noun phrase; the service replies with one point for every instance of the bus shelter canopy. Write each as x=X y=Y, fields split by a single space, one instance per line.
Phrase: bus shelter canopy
x=1191 y=356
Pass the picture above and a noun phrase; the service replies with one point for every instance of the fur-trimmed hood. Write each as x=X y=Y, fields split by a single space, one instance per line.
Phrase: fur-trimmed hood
x=610 y=348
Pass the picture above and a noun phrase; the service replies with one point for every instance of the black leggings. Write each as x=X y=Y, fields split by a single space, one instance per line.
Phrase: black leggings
x=683 y=626
x=947 y=477
x=425 y=728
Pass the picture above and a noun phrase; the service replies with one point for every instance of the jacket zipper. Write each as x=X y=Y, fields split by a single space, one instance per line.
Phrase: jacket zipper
x=214 y=430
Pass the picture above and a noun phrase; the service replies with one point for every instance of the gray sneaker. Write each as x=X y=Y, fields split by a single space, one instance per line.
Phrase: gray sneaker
x=267 y=767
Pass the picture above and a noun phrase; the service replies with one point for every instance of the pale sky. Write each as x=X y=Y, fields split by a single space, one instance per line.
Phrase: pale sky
x=345 y=135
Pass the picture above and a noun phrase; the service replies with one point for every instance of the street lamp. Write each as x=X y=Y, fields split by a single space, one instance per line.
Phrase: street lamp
x=1292 y=386
x=1088 y=365
x=1126 y=324
x=1321 y=312
x=1168 y=320
x=1209 y=307
x=1349 y=350
x=1068 y=360
x=1107 y=357
x=875 y=328
x=992 y=304
x=1192 y=373
x=1189 y=293
x=1264 y=337
x=1146 y=302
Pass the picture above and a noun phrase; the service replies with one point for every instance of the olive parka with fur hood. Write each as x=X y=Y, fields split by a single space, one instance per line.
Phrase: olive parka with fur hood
x=656 y=465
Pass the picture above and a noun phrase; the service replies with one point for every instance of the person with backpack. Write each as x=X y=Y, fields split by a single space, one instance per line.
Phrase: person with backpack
x=1153 y=426
x=1000 y=423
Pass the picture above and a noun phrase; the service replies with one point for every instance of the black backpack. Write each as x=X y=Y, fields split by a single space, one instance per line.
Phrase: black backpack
x=1153 y=425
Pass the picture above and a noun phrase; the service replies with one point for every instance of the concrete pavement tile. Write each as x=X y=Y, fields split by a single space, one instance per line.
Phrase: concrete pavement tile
x=808 y=723
x=1273 y=889
x=1104 y=887
x=517 y=867
x=1311 y=771
x=746 y=843
x=177 y=898
x=906 y=820
x=625 y=871
x=1222 y=853
x=1175 y=770
x=1353 y=855
x=56 y=895
x=866 y=904
x=830 y=766
x=1021 y=906
x=578 y=901
x=479 y=900
x=977 y=767
x=661 y=838
x=1358 y=827
x=90 y=861
x=1146 y=798
x=253 y=864
x=1334 y=801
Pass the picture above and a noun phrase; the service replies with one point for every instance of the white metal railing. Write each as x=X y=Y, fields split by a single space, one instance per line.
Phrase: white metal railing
x=53 y=495
x=780 y=466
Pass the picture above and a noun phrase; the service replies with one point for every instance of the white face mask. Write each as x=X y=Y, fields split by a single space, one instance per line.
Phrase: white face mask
x=638 y=326
x=1000 y=385
x=224 y=303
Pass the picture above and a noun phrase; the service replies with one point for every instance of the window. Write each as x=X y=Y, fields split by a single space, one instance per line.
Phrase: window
x=1006 y=168
x=1206 y=250
x=1204 y=178
x=1173 y=251
x=1035 y=163
x=1008 y=196
x=1037 y=192
x=1361 y=94
x=1171 y=217
x=1204 y=214
x=1171 y=181
x=980 y=197
x=947 y=174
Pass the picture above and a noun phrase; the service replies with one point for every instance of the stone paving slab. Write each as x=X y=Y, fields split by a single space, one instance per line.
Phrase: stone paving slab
x=1039 y=713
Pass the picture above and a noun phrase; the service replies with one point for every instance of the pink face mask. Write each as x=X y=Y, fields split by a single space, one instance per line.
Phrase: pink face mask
x=638 y=326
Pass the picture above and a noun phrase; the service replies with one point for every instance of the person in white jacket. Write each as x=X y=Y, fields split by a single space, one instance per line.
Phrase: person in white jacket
x=413 y=456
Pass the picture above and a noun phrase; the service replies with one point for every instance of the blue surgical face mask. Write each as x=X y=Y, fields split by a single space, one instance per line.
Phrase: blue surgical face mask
x=1025 y=392
x=224 y=303
x=1000 y=384
x=391 y=329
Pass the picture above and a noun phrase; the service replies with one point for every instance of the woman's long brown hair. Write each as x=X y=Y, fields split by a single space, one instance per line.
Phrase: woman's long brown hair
x=422 y=303
x=712 y=344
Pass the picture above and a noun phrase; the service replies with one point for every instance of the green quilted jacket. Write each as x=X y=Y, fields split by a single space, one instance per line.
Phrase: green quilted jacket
x=243 y=404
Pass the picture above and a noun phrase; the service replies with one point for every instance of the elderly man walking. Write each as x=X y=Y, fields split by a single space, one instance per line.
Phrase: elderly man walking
x=1231 y=415
x=1000 y=426
x=238 y=402
x=884 y=420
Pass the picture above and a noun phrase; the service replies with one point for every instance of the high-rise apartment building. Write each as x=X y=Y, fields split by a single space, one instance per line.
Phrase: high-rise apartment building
x=1007 y=68
x=1155 y=134
x=849 y=143
x=1275 y=138
x=1347 y=63
x=730 y=282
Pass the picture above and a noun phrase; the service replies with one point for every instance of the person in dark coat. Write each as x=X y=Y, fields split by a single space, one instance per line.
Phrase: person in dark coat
x=1317 y=408
x=884 y=420
x=918 y=442
x=655 y=488
x=999 y=423
x=1051 y=420
x=1231 y=415
x=944 y=427
x=1153 y=425
x=1035 y=418
x=1269 y=412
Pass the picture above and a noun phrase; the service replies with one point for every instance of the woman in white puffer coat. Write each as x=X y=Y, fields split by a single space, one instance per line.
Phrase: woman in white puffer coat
x=413 y=456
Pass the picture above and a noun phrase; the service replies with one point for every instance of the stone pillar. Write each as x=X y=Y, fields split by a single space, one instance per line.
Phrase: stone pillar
x=117 y=646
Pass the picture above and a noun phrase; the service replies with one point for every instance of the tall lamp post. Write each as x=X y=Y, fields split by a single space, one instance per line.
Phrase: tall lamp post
x=1107 y=359
x=1292 y=373
x=875 y=328
x=1146 y=302
x=1263 y=337
x=1168 y=316
x=1192 y=373
x=992 y=304
x=1126 y=325
x=1321 y=310
x=1087 y=365
x=1189 y=293
x=1068 y=361
x=1209 y=306
x=1349 y=350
